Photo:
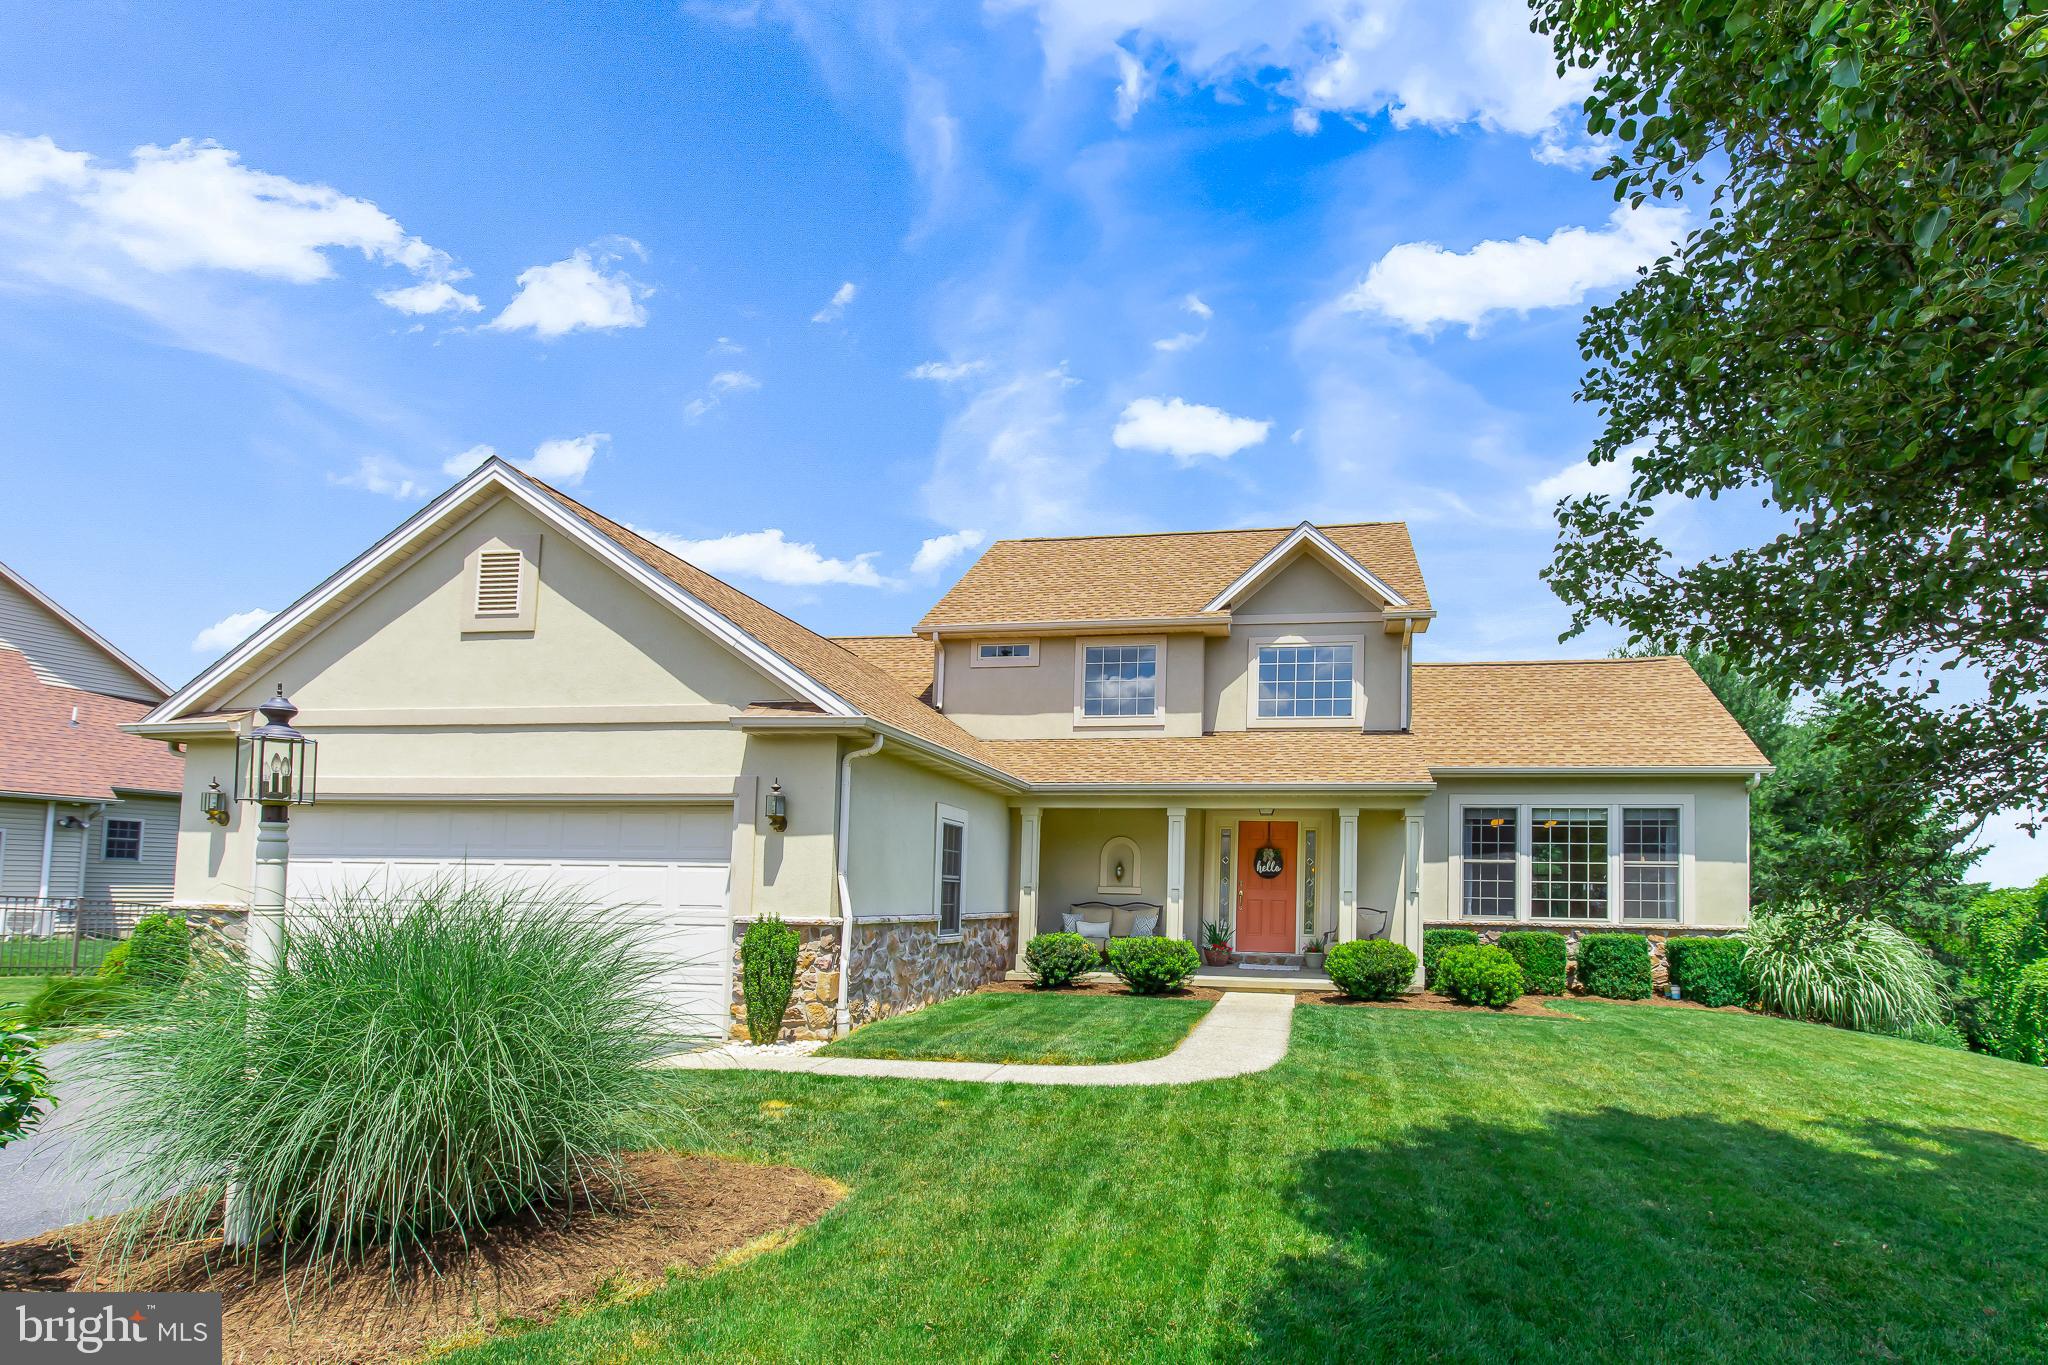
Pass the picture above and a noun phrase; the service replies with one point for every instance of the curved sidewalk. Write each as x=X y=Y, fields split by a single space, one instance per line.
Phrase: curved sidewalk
x=1247 y=1031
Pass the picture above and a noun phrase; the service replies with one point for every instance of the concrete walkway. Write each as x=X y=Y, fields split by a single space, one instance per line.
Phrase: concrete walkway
x=1244 y=1033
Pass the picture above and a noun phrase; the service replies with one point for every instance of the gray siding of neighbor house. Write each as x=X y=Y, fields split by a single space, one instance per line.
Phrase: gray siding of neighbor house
x=58 y=654
x=147 y=878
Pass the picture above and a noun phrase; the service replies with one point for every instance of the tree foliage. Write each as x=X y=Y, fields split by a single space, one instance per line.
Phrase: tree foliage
x=1854 y=333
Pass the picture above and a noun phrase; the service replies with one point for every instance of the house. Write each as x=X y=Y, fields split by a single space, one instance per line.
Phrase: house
x=87 y=812
x=1225 y=726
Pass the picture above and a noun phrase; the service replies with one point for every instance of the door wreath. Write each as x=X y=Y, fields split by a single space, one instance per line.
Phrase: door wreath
x=1267 y=862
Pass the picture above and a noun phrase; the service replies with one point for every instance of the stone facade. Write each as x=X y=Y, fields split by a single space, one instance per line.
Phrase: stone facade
x=897 y=966
x=1660 y=974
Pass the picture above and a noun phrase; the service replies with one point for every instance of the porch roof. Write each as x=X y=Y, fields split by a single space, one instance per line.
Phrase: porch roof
x=1263 y=758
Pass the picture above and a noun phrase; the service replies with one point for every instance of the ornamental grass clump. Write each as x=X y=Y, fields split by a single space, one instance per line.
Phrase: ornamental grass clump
x=422 y=1064
x=768 y=975
x=1814 y=964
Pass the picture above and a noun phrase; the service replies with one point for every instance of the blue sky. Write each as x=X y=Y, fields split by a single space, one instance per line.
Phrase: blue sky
x=825 y=296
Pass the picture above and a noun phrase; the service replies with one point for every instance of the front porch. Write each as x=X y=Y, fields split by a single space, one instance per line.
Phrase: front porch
x=1280 y=876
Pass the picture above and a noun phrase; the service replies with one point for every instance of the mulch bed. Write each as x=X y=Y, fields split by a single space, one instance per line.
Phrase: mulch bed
x=1095 y=988
x=682 y=1212
x=1540 y=1006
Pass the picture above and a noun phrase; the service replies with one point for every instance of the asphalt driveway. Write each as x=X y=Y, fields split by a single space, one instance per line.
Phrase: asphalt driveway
x=42 y=1181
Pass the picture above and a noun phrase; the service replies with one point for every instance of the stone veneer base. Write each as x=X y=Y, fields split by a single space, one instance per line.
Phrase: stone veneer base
x=897 y=966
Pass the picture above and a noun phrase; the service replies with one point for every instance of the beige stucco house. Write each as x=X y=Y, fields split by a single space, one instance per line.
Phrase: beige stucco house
x=1214 y=727
x=88 y=813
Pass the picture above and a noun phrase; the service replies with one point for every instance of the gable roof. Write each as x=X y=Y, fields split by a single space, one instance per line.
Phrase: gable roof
x=153 y=687
x=43 y=753
x=909 y=659
x=1174 y=575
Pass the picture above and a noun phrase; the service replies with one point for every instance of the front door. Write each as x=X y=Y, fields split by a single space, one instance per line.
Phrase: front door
x=1266 y=913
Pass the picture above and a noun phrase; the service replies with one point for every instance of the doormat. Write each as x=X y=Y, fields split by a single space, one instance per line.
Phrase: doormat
x=1271 y=967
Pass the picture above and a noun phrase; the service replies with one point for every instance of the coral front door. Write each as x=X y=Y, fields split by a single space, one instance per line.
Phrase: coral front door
x=1266 y=912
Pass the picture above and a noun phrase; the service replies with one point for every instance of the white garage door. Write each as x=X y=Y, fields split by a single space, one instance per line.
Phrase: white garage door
x=664 y=867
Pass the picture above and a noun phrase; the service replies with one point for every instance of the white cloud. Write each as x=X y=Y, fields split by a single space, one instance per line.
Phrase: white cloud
x=1179 y=341
x=1013 y=449
x=1441 y=64
x=581 y=291
x=383 y=475
x=1579 y=478
x=1574 y=153
x=946 y=371
x=936 y=553
x=229 y=631
x=564 y=460
x=1193 y=303
x=1132 y=85
x=455 y=466
x=193 y=206
x=726 y=346
x=835 y=307
x=28 y=164
x=1305 y=121
x=431 y=296
x=1186 y=431
x=715 y=390
x=1421 y=285
x=772 y=558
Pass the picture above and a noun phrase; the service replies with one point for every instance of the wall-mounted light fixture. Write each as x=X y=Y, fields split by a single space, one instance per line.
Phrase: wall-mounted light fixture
x=778 y=807
x=71 y=822
x=213 y=802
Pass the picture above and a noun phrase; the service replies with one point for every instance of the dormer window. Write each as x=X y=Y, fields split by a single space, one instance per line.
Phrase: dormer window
x=1305 y=681
x=1119 y=683
x=1006 y=654
x=501 y=579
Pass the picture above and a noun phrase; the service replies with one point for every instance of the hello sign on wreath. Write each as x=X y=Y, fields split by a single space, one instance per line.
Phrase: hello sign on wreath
x=1267 y=862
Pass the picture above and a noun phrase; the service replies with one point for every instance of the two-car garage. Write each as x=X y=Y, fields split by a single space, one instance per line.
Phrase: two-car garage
x=665 y=867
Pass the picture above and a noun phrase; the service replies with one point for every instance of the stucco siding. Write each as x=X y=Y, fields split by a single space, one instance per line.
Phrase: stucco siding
x=1070 y=852
x=58 y=654
x=1304 y=587
x=1038 y=702
x=1718 y=834
x=893 y=841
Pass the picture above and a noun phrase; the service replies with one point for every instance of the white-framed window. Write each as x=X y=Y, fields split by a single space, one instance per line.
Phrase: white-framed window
x=1581 y=859
x=949 y=869
x=1305 y=680
x=1490 y=840
x=1120 y=682
x=121 y=841
x=1005 y=654
x=1650 y=862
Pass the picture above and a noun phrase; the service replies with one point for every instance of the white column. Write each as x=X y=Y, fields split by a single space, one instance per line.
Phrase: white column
x=1027 y=880
x=265 y=946
x=1176 y=871
x=1409 y=930
x=1347 y=873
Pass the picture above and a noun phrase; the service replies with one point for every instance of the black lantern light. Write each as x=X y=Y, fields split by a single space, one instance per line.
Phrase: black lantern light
x=276 y=762
x=778 y=807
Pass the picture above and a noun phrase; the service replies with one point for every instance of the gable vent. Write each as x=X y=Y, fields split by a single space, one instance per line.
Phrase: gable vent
x=497 y=583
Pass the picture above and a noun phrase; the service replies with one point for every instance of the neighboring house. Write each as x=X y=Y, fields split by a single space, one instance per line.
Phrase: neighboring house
x=511 y=681
x=87 y=813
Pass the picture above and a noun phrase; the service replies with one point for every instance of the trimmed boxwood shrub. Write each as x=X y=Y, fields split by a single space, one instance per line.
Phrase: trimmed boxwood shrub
x=1475 y=974
x=1371 y=968
x=1708 y=970
x=1435 y=941
x=1615 y=965
x=1060 y=959
x=768 y=971
x=1153 y=966
x=1540 y=953
x=159 y=952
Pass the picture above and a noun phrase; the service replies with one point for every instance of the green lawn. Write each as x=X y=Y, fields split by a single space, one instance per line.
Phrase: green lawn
x=15 y=989
x=42 y=955
x=1635 y=1184
x=1054 y=1028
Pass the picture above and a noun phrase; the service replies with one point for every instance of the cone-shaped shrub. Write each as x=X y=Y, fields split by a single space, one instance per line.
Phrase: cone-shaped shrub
x=768 y=971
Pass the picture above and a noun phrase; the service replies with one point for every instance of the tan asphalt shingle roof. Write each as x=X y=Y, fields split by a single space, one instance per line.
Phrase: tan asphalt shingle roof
x=1590 y=713
x=1115 y=578
x=906 y=658
x=877 y=694
x=43 y=754
x=1249 y=757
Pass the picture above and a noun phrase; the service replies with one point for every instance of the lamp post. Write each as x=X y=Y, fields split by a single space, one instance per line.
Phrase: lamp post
x=276 y=767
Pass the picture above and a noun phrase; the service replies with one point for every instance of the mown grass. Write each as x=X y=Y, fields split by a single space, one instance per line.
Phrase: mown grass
x=1048 y=1027
x=1631 y=1184
x=41 y=956
x=16 y=989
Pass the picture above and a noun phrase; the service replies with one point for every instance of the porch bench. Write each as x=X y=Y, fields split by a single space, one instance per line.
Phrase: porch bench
x=1101 y=921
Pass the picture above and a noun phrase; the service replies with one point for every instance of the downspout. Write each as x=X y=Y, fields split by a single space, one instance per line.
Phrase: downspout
x=49 y=838
x=1407 y=674
x=939 y=673
x=843 y=1023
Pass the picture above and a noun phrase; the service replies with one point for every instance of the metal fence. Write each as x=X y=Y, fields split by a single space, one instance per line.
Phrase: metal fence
x=49 y=937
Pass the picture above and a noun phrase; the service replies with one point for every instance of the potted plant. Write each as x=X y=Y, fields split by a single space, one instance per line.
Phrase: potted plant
x=1215 y=945
x=1313 y=956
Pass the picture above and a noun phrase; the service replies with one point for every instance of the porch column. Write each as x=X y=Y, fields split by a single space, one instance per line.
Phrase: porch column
x=1409 y=930
x=1347 y=873
x=1027 y=880
x=1176 y=871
